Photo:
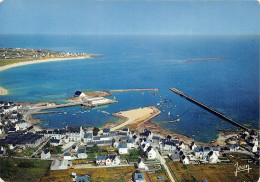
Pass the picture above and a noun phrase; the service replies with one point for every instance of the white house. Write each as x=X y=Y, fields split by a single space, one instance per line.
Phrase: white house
x=182 y=145
x=212 y=157
x=74 y=133
x=168 y=146
x=145 y=146
x=46 y=154
x=67 y=156
x=79 y=94
x=193 y=145
x=185 y=160
x=82 y=153
x=122 y=148
x=252 y=147
x=60 y=164
x=113 y=160
x=141 y=164
x=130 y=144
x=150 y=153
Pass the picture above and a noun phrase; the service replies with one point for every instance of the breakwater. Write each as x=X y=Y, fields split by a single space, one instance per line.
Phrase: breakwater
x=220 y=115
x=134 y=90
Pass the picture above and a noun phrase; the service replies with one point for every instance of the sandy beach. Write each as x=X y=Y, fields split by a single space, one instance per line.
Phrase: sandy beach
x=24 y=63
x=2 y=68
x=135 y=116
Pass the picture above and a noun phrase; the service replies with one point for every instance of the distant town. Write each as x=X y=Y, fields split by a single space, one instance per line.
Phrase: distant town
x=120 y=152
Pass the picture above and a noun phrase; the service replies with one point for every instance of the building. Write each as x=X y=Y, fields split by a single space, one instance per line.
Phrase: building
x=150 y=153
x=74 y=134
x=193 y=145
x=79 y=94
x=122 y=148
x=185 y=160
x=21 y=125
x=82 y=178
x=234 y=147
x=101 y=160
x=212 y=157
x=67 y=156
x=138 y=177
x=141 y=165
x=60 y=164
x=46 y=154
x=113 y=160
x=82 y=153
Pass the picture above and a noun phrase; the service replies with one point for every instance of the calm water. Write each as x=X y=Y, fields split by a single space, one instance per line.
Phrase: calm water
x=230 y=86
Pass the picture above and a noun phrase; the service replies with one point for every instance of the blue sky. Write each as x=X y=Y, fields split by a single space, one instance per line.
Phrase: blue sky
x=129 y=17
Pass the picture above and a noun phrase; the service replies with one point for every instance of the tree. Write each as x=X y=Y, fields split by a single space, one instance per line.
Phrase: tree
x=19 y=116
x=48 y=144
x=95 y=131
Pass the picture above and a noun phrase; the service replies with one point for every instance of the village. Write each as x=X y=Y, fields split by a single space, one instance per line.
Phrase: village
x=88 y=147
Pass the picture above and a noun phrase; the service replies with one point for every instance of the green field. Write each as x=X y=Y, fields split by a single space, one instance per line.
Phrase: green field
x=22 y=170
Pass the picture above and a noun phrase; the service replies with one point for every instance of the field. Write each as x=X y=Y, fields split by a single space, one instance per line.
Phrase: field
x=21 y=170
x=215 y=173
x=97 y=174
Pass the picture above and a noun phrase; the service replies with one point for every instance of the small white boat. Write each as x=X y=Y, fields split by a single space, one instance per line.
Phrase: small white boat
x=158 y=104
x=169 y=113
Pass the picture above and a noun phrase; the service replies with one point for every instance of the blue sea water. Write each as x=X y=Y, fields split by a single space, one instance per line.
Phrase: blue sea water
x=230 y=86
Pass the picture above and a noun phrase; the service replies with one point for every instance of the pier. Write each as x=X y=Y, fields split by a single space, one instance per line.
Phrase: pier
x=220 y=115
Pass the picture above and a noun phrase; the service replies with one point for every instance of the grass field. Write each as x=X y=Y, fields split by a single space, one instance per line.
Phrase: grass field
x=97 y=174
x=215 y=173
x=12 y=170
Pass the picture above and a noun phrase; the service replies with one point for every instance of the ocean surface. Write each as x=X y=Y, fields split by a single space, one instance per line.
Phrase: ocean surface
x=231 y=85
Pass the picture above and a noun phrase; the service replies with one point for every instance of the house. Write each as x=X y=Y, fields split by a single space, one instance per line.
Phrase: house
x=141 y=164
x=79 y=94
x=60 y=164
x=74 y=133
x=101 y=160
x=1 y=129
x=46 y=154
x=22 y=125
x=82 y=153
x=88 y=137
x=185 y=160
x=113 y=160
x=174 y=156
x=122 y=148
x=234 y=147
x=168 y=146
x=212 y=157
x=130 y=144
x=106 y=131
x=82 y=178
x=182 y=145
x=74 y=148
x=150 y=153
x=138 y=177
x=54 y=142
x=67 y=156
x=145 y=146
x=252 y=147
x=115 y=143
x=193 y=145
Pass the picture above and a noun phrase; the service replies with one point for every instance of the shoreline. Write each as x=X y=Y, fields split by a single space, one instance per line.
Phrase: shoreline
x=4 y=91
x=37 y=61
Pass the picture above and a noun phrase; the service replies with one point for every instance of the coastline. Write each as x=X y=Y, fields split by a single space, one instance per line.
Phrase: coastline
x=4 y=91
x=37 y=61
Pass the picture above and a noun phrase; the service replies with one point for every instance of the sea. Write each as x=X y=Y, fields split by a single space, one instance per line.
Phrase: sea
x=230 y=85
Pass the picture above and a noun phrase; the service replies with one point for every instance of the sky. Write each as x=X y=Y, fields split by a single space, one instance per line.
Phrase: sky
x=129 y=17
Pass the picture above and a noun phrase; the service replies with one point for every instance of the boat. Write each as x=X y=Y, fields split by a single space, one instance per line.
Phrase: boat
x=65 y=113
x=114 y=97
x=169 y=113
x=158 y=104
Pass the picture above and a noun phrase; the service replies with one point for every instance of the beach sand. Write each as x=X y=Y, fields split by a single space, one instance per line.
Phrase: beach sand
x=135 y=116
x=2 y=68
